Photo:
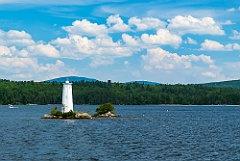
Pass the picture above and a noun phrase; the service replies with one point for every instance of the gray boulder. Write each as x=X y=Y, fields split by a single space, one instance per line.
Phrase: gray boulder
x=48 y=116
x=108 y=114
x=83 y=116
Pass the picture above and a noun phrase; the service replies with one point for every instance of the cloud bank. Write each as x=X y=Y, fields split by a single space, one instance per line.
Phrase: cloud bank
x=117 y=39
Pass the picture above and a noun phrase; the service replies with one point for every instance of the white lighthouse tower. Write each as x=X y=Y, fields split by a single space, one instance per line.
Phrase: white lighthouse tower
x=67 y=99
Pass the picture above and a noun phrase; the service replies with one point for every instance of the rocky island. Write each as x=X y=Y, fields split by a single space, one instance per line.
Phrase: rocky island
x=67 y=112
x=105 y=110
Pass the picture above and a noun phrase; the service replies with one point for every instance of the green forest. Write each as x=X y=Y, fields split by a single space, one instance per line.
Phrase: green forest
x=97 y=92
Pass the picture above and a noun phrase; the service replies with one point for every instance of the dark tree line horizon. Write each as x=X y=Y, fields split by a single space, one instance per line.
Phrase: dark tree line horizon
x=96 y=93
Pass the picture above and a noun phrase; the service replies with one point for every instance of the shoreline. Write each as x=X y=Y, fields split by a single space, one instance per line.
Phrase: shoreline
x=118 y=105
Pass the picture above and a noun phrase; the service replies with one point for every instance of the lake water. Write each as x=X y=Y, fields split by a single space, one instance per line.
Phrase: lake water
x=142 y=133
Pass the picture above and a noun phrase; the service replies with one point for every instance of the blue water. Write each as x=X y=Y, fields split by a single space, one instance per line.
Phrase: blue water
x=142 y=133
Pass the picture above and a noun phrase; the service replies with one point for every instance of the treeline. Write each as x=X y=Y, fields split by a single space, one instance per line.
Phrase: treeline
x=25 y=92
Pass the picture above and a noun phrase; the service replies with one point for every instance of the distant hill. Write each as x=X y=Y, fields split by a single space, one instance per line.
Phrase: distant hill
x=143 y=82
x=227 y=84
x=72 y=79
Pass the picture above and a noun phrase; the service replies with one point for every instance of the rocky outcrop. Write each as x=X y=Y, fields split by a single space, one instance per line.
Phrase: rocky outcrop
x=80 y=115
x=48 y=116
x=83 y=116
x=105 y=110
x=108 y=114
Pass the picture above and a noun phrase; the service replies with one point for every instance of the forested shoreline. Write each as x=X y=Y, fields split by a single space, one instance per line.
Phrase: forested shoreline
x=95 y=93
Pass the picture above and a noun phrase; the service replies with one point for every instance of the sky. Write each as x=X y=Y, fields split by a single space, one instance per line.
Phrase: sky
x=165 y=41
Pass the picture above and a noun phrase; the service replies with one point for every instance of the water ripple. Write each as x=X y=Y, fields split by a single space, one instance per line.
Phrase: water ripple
x=145 y=133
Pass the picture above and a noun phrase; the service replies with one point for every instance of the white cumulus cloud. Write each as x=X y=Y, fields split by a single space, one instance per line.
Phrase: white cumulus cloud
x=26 y=69
x=216 y=46
x=162 y=63
x=212 y=45
x=158 y=58
x=41 y=49
x=5 y=51
x=235 y=35
x=163 y=37
x=102 y=51
x=190 y=25
x=146 y=23
x=86 y=28
x=130 y=41
x=15 y=38
x=15 y=43
x=116 y=24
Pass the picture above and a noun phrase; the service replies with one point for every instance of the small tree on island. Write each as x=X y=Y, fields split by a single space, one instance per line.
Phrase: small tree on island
x=104 y=108
x=55 y=112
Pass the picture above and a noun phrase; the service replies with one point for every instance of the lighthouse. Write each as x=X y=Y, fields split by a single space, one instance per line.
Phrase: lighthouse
x=67 y=99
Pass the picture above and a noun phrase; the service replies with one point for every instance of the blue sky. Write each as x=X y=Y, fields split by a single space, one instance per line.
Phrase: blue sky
x=122 y=40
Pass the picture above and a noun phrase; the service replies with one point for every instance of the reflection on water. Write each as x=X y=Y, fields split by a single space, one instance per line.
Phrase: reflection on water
x=68 y=121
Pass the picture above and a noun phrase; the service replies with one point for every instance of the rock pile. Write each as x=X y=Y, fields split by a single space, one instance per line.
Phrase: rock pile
x=83 y=116
x=80 y=115
x=108 y=114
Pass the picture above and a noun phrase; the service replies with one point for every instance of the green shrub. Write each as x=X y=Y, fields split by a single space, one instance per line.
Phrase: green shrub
x=70 y=114
x=104 y=108
x=58 y=113
x=66 y=115
x=54 y=111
